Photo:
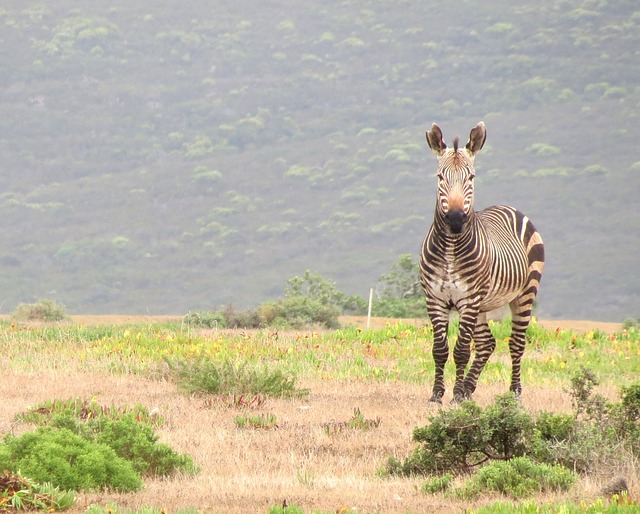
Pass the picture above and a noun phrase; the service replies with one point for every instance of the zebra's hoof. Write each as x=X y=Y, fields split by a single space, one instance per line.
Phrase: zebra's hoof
x=460 y=398
x=436 y=399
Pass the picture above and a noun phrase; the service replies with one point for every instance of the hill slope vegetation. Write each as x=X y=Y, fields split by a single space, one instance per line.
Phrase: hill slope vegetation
x=169 y=157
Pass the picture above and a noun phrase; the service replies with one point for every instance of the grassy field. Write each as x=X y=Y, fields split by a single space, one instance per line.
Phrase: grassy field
x=307 y=455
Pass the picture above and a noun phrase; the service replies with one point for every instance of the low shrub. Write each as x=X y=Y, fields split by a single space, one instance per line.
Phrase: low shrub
x=258 y=421
x=206 y=376
x=81 y=409
x=459 y=439
x=519 y=477
x=437 y=484
x=299 y=312
x=43 y=310
x=138 y=443
x=67 y=461
x=126 y=431
x=205 y=319
x=356 y=422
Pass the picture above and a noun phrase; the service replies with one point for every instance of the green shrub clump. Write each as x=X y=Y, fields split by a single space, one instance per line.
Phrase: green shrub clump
x=138 y=443
x=299 y=312
x=519 y=477
x=68 y=461
x=460 y=439
x=83 y=445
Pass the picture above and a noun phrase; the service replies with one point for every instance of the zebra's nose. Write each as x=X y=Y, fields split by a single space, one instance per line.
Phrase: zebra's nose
x=455 y=218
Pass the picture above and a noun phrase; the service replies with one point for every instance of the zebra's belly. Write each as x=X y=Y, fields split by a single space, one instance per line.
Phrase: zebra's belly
x=496 y=301
x=449 y=290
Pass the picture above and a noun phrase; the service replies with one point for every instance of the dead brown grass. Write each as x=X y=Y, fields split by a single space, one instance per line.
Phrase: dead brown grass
x=244 y=470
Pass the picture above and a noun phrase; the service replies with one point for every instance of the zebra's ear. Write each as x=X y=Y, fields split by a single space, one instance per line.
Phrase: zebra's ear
x=476 y=139
x=435 y=141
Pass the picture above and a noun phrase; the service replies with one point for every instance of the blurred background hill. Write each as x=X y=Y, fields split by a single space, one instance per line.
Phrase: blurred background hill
x=171 y=156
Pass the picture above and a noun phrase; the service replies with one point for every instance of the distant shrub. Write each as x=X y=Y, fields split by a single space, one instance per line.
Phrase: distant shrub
x=400 y=308
x=241 y=319
x=631 y=323
x=205 y=319
x=301 y=311
x=43 y=310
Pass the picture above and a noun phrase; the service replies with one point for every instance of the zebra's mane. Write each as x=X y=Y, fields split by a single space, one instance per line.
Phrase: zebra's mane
x=456 y=142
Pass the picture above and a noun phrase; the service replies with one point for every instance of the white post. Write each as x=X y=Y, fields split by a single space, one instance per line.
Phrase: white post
x=369 y=312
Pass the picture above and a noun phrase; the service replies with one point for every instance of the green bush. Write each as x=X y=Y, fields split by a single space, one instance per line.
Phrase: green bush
x=43 y=310
x=205 y=376
x=519 y=477
x=300 y=312
x=68 y=461
x=399 y=308
x=437 y=484
x=205 y=319
x=462 y=438
x=226 y=317
x=138 y=443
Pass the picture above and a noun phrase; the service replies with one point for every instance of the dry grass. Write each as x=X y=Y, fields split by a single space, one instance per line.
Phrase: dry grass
x=247 y=470
x=244 y=470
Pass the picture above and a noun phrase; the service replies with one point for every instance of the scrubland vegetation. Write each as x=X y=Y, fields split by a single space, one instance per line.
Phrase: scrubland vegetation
x=340 y=415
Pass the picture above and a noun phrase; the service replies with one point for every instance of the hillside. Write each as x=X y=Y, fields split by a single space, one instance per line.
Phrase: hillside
x=166 y=158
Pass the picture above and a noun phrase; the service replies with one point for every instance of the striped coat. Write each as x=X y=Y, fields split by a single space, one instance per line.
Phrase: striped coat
x=475 y=262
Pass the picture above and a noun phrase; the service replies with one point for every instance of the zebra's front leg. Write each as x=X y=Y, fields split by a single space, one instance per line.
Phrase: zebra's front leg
x=485 y=344
x=462 y=353
x=440 y=353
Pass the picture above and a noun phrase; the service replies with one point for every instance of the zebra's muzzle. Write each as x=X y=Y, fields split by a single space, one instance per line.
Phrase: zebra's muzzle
x=455 y=218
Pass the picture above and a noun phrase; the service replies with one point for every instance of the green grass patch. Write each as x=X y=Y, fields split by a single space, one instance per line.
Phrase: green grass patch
x=397 y=352
x=257 y=421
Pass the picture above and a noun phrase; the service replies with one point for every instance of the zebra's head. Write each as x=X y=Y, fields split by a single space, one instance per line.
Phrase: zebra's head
x=455 y=175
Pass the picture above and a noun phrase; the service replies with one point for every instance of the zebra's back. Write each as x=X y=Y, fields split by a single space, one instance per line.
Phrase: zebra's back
x=516 y=251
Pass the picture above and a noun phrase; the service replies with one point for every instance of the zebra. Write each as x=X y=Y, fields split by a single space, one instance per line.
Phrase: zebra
x=475 y=262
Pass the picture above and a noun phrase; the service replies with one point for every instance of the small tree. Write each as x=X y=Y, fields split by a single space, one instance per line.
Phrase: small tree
x=403 y=281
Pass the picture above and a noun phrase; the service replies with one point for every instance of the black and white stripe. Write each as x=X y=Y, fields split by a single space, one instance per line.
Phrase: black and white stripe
x=475 y=262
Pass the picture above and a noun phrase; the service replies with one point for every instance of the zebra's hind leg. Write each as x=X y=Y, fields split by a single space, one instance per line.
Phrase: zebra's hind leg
x=485 y=344
x=521 y=316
